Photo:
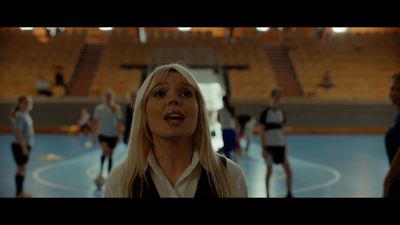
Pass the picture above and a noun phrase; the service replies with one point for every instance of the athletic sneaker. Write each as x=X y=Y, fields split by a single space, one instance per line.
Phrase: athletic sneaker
x=99 y=181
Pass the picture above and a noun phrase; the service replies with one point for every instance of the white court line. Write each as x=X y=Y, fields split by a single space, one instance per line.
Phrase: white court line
x=336 y=177
x=91 y=174
x=39 y=179
x=277 y=175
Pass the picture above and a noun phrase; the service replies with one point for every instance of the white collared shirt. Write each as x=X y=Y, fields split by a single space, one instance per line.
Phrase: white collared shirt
x=186 y=185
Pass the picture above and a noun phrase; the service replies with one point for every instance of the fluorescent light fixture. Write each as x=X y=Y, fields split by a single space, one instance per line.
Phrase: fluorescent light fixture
x=26 y=28
x=105 y=28
x=262 y=29
x=339 y=29
x=184 y=28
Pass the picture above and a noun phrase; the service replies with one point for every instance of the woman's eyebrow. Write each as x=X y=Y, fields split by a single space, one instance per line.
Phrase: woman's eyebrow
x=186 y=84
x=159 y=84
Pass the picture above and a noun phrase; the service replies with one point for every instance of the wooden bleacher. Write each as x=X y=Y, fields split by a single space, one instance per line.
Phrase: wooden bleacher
x=361 y=65
x=23 y=58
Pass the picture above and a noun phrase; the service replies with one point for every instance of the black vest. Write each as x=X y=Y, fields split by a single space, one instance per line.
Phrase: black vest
x=205 y=187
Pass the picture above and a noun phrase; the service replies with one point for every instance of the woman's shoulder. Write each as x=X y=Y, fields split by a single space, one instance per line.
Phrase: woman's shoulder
x=238 y=178
x=233 y=168
x=113 y=182
x=116 y=173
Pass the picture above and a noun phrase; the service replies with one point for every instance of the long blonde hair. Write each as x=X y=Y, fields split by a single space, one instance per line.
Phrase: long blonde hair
x=140 y=140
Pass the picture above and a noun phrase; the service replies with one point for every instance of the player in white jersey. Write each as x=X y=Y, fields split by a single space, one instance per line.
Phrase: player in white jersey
x=107 y=120
x=273 y=139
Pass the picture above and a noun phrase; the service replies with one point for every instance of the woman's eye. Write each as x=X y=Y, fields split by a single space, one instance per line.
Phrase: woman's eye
x=159 y=93
x=186 y=93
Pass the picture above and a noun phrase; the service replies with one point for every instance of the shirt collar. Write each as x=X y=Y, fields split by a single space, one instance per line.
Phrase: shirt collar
x=152 y=163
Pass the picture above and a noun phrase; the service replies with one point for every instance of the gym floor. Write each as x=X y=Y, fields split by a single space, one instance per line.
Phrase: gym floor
x=61 y=165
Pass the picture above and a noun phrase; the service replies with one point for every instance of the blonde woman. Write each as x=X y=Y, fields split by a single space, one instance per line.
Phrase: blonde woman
x=169 y=150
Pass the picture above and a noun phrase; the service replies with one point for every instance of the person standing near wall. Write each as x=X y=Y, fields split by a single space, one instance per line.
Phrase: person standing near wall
x=128 y=115
x=24 y=139
x=107 y=121
x=273 y=140
x=229 y=123
x=392 y=144
x=59 y=78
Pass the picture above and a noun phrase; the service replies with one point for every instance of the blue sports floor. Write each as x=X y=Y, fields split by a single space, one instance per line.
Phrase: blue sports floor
x=322 y=166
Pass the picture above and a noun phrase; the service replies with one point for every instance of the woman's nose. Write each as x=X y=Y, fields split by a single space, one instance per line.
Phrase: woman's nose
x=174 y=101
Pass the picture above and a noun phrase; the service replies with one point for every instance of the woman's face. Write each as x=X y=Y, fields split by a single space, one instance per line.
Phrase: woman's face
x=395 y=93
x=25 y=105
x=171 y=108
